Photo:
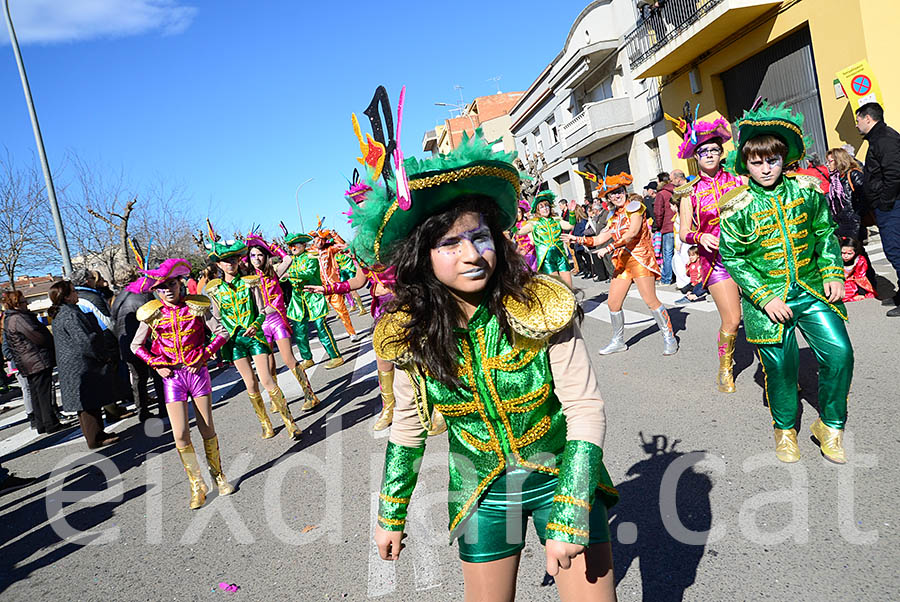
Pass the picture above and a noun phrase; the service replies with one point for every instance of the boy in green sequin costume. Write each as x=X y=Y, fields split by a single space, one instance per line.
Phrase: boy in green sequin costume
x=238 y=301
x=302 y=269
x=778 y=243
x=545 y=231
x=495 y=350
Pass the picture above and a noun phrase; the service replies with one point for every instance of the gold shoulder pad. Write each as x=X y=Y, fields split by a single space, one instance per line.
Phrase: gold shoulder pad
x=252 y=280
x=149 y=311
x=635 y=207
x=734 y=200
x=197 y=304
x=386 y=338
x=808 y=182
x=552 y=308
x=212 y=285
x=685 y=189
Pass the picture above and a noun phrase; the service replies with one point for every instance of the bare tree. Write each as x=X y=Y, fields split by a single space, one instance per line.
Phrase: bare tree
x=535 y=169
x=24 y=221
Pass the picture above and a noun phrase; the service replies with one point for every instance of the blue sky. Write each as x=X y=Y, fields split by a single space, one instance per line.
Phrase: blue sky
x=242 y=101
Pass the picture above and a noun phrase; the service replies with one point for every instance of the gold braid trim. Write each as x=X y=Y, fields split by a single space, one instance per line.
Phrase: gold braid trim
x=391 y=521
x=387 y=216
x=568 y=499
x=568 y=530
x=466 y=172
x=394 y=500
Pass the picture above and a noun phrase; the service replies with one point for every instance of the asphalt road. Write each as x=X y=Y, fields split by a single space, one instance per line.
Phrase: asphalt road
x=706 y=511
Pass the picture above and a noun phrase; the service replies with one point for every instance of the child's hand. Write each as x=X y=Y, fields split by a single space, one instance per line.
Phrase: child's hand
x=389 y=543
x=778 y=311
x=560 y=555
x=834 y=291
x=164 y=372
x=709 y=242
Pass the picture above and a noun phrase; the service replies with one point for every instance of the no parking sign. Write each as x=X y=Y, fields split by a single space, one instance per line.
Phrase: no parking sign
x=859 y=84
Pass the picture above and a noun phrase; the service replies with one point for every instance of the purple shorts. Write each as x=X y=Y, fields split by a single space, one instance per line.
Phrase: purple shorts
x=718 y=273
x=183 y=384
x=275 y=328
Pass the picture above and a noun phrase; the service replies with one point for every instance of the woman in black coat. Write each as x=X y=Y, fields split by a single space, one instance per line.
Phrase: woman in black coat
x=87 y=377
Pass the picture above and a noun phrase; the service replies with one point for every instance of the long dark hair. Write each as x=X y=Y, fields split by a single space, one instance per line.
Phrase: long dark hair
x=58 y=294
x=267 y=268
x=433 y=313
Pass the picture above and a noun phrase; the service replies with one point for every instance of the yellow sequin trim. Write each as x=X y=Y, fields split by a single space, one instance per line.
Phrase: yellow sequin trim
x=762 y=230
x=772 y=242
x=803 y=262
x=800 y=248
x=794 y=203
x=773 y=255
x=568 y=499
x=568 y=530
x=777 y=272
x=394 y=500
x=387 y=216
x=760 y=215
x=456 y=409
x=391 y=521
x=467 y=172
x=799 y=234
x=797 y=220
x=534 y=433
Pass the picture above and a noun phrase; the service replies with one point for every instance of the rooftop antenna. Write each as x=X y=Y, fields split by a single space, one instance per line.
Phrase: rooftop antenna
x=496 y=80
x=462 y=103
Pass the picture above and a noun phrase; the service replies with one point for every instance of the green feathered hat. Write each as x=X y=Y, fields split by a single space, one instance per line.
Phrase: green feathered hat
x=435 y=183
x=544 y=195
x=779 y=121
x=296 y=238
x=223 y=250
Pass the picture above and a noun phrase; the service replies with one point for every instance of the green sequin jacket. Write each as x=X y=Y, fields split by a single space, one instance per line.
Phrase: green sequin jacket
x=304 y=305
x=237 y=303
x=772 y=239
x=532 y=402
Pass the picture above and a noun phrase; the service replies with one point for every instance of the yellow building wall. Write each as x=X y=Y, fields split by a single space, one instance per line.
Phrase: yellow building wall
x=843 y=32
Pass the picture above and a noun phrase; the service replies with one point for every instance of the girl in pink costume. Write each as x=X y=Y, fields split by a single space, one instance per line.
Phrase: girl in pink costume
x=699 y=217
x=524 y=244
x=276 y=326
x=176 y=324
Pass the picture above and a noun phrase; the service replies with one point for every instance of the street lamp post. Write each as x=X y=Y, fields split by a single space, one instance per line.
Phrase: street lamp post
x=297 y=198
x=39 y=140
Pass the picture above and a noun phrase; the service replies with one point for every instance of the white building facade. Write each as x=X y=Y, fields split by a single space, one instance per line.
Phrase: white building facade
x=585 y=109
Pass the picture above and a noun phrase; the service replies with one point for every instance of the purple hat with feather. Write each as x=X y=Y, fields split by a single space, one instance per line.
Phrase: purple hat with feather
x=699 y=133
x=170 y=268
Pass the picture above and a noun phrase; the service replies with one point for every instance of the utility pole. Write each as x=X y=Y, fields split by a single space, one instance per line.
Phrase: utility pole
x=39 y=140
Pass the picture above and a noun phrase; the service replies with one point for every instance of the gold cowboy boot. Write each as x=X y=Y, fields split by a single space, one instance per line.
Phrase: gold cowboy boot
x=786 y=448
x=279 y=402
x=831 y=441
x=309 y=395
x=725 y=378
x=334 y=362
x=257 y=400
x=386 y=384
x=307 y=364
x=359 y=303
x=192 y=468
x=214 y=461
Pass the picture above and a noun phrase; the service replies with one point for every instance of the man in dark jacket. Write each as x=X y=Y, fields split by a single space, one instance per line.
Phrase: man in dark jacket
x=664 y=223
x=125 y=325
x=31 y=345
x=882 y=181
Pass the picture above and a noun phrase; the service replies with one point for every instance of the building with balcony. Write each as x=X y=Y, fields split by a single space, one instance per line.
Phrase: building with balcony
x=723 y=54
x=490 y=113
x=586 y=107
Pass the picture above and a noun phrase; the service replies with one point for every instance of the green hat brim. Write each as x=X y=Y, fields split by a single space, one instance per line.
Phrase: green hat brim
x=544 y=195
x=788 y=132
x=435 y=191
x=297 y=239
x=221 y=252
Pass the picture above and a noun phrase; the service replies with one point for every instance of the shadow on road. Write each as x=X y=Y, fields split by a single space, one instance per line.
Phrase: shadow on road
x=668 y=566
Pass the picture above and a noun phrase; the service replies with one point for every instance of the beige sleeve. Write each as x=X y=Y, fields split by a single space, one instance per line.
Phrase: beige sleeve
x=140 y=337
x=576 y=387
x=406 y=428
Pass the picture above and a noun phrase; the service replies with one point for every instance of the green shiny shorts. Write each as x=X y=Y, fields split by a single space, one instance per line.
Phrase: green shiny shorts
x=554 y=261
x=496 y=528
x=240 y=346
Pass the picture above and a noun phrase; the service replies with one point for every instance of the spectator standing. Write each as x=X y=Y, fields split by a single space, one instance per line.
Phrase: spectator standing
x=650 y=197
x=582 y=256
x=124 y=314
x=882 y=181
x=31 y=346
x=20 y=378
x=601 y=267
x=664 y=223
x=845 y=192
x=86 y=375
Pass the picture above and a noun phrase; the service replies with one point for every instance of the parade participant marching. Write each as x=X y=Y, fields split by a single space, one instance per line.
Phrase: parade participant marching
x=275 y=326
x=546 y=231
x=627 y=237
x=524 y=244
x=699 y=217
x=240 y=305
x=302 y=269
x=380 y=279
x=347 y=269
x=778 y=243
x=325 y=251
x=176 y=324
x=498 y=352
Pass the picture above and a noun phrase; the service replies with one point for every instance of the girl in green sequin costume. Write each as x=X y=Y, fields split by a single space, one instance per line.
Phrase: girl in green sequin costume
x=497 y=351
x=546 y=231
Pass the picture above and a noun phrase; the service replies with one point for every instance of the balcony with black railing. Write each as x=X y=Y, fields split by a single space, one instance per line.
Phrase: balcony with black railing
x=680 y=30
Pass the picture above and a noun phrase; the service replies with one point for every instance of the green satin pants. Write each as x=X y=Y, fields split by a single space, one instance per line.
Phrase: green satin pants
x=301 y=337
x=496 y=528
x=826 y=335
